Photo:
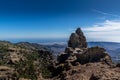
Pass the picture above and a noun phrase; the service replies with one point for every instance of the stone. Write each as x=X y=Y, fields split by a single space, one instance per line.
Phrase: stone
x=118 y=65
x=83 y=63
x=77 y=40
x=69 y=50
x=62 y=57
x=78 y=50
x=94 y=54
x=79 y=31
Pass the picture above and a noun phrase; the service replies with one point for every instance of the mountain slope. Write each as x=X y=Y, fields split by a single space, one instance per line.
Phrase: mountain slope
x=24 y=60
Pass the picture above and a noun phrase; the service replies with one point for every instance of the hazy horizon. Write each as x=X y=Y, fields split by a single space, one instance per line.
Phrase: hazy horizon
x=45 y=40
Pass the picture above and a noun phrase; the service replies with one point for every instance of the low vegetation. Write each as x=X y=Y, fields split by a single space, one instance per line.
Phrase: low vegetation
x=27 y=63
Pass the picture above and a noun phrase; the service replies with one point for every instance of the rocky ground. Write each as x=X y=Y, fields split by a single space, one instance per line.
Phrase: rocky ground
x=24 y=61
x=30 y=61
x=79 y=62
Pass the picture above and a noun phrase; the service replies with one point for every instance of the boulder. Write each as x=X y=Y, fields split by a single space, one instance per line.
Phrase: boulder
x=77 y=40
x=94 y=54
x=69 y=50
x=118 y=65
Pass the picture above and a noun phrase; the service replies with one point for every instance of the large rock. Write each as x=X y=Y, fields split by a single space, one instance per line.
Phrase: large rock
x=80 y=62
x=77 y=40
x=77 y=51
x=94 y=54
x=69 y=50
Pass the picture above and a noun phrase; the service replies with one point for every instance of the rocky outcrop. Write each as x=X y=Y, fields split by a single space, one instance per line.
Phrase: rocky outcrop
x=77 y=51
x=94 y=54
x=79 y=62
x=77 y=40
x=118 y=65
x=6 y=73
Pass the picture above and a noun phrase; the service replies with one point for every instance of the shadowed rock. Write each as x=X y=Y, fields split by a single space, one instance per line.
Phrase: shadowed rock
x=94 y=54
x=77 y=40
x=79 y=32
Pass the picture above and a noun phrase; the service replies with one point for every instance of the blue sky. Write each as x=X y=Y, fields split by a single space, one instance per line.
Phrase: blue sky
x=99 y=19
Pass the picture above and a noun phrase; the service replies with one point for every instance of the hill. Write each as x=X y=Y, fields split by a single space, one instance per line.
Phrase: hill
x=24 y=61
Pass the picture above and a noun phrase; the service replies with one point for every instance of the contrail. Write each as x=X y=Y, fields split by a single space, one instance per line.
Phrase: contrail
x=104 y=13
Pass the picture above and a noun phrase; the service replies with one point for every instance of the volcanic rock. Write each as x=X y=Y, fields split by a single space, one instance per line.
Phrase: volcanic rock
x=118 y=65
x=79 y=62
x=94 y=54
x=77 y=51
x=69 y=50
x=77 y=40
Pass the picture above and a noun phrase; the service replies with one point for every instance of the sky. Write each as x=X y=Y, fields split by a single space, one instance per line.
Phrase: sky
x=99 y=19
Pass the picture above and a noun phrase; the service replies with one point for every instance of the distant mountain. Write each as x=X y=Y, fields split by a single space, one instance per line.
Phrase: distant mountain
x=56 y=48
x=107 y=45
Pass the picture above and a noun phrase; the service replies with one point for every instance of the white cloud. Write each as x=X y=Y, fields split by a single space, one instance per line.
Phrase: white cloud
x=109 y=30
